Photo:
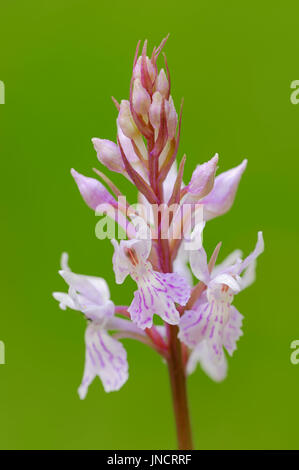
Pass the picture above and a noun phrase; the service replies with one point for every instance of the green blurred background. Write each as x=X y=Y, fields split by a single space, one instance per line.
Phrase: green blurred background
x=233 y=64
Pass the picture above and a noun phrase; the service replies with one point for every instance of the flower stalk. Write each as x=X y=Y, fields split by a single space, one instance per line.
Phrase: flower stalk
x=178 y=385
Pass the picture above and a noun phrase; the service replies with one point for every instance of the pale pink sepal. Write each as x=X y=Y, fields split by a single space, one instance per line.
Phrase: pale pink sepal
x=92 y=191
x=202 y=180
x=108 y=154
x=222 y=196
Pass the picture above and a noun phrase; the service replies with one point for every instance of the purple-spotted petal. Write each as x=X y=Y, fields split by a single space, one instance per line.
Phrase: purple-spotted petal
x=207 y=322
x=157 y=294
x=202 y=355
x=105 y=357
x=142 y=308
x=232 y=331
x=195 y=324
x=176 y=286
x=222 y=196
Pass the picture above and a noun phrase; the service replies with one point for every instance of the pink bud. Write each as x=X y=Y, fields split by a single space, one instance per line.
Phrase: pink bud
x=125 y=120
x=171 y=115
x=130 y=154
x=150 y=68
x=222 y=196
x=155 y=110
x=108 y=153
x=202 y=180
x=162 y=84
x=172 y=118
x=92 y=191
x=141 y=98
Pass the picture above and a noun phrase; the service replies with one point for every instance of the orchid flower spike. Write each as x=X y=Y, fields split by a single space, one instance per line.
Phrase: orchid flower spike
x=157 y=236
x=213 y=322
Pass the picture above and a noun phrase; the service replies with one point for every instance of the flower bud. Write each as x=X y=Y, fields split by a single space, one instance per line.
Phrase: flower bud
x=202 y=180
x=141 y=98
x=92 y=191
x=108 y=153
x=125 y=120
x=171 y=115
x=155 y=110
x=172 y=118
x=222 y=196
x=150 y=68
x=162 y=84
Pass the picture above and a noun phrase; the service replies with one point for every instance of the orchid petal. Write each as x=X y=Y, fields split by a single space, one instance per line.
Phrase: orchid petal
x=64 y=262
x=199 y=265
x=259 y=248
x=123 y=264
x=92 y=191
x=195 y=323
x=232 y=331
x=205 y=322
x=64 y=300
x=120 y=263
x=180 y=264
x=249 y=275
x=177 y=286
x=105 y=357
x=202 y=354
x=226 y=280
x=108 y=154
x=227 y=262
x=157 y=294
x=222 y=196
x=93 y=288
x=88 y=294
x=202 y=180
